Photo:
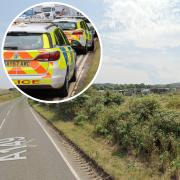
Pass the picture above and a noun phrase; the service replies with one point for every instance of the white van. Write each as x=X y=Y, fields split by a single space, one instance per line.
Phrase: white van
x=48 y=12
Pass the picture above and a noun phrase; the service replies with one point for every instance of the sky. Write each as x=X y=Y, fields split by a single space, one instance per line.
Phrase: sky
x=140 y=38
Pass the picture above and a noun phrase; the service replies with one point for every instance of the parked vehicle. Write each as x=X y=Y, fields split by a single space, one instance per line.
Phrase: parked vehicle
x=38 y=55
x=48 y=11
x=77 y=32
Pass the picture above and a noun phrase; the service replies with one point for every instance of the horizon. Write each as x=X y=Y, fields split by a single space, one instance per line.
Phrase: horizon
x=113 y=84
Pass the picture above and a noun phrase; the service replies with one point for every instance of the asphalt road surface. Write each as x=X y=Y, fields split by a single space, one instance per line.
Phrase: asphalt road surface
x=29 y=150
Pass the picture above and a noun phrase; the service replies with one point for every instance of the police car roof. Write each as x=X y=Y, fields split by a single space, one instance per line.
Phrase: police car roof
x=32 y=27
x=67 y=20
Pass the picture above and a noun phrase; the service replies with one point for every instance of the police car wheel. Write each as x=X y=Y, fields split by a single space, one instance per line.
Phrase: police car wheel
x=65 y=88
x=85 y=50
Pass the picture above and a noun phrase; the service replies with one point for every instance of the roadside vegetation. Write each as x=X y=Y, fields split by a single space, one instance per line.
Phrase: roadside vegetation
x=91 y=67
x=131 y=137
x=6 y=94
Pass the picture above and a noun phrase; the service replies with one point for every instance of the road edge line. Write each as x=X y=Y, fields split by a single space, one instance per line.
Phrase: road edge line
x=81 y=66
x=55 y=145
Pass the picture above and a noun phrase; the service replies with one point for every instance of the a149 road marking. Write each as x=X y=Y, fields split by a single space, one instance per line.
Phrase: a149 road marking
x=13 y=148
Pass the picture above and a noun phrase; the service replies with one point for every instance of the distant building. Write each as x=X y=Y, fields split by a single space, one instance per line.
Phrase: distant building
x=145 y=91
x=160 y=90
x=58 y=8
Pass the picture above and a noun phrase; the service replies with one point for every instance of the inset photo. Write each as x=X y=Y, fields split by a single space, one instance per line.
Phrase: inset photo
x=52 y=52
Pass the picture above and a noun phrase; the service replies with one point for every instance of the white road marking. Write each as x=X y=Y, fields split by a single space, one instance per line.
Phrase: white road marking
x=79 y=74
x=2 y=123
x=14 y=141
x=8 y=112
x=10 y=149
x=79 y=60
x=11 y=108
x=14 y=156
x=55 y=145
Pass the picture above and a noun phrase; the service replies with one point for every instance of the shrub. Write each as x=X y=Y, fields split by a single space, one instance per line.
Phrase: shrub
x=112 y=98
x=101 y=130
x=168 y=122
x=144 y=108
x=80 y=119
x=95 y=111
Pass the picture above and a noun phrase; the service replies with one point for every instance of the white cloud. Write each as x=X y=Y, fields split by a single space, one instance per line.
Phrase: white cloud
x=113 y=73
x=145 y=23
x=150 y=71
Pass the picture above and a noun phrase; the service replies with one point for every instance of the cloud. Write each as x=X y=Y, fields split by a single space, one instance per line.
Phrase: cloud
x=116 y=73
x=144 y=23
x=138 y=70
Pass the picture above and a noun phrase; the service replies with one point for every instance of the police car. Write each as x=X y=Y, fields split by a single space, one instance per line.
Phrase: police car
x=77 y=32
x=38 y=55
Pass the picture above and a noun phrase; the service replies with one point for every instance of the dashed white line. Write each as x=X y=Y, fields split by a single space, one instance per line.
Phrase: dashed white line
x=2 y=123
x=12 y=106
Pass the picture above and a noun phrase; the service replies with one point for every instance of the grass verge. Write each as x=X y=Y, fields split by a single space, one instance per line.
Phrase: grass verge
x=8 y=95
x=102 y=151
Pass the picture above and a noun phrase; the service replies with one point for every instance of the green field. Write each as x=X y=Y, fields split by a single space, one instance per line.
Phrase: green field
x=131 y=137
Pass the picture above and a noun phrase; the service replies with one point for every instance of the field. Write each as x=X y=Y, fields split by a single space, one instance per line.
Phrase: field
x=131 y=137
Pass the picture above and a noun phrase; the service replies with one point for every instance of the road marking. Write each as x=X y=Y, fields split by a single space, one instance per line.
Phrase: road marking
x=8 y=112
x=79 y=74
x=83 y=61
x=14 y=156
x=55 y=145
x=11 y=108
x=13 y=148
x=79 y=60
x=13 y=141
x=2 y=123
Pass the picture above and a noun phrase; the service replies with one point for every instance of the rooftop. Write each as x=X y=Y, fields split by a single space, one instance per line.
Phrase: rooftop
x=66 y=19
x=31 y=27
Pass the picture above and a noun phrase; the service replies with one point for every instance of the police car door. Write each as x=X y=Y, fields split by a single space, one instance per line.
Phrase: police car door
x=89 y=35
x=70 y=53
x=65 y=49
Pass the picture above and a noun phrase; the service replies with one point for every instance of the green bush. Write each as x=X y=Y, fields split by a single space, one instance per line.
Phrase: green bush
x=80 y=119
x=138 y=125
x=144 y=108
x=112 y=98
x=95 y=111
x=168 y=122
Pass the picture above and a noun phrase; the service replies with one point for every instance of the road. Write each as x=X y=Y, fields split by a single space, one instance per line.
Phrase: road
x=29 y=149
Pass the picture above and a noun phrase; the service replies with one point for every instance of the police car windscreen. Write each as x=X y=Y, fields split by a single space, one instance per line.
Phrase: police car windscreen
x=23 y=41
x=67 y=25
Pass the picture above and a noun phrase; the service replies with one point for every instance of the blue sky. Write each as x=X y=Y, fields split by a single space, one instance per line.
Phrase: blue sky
x=141 y=38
